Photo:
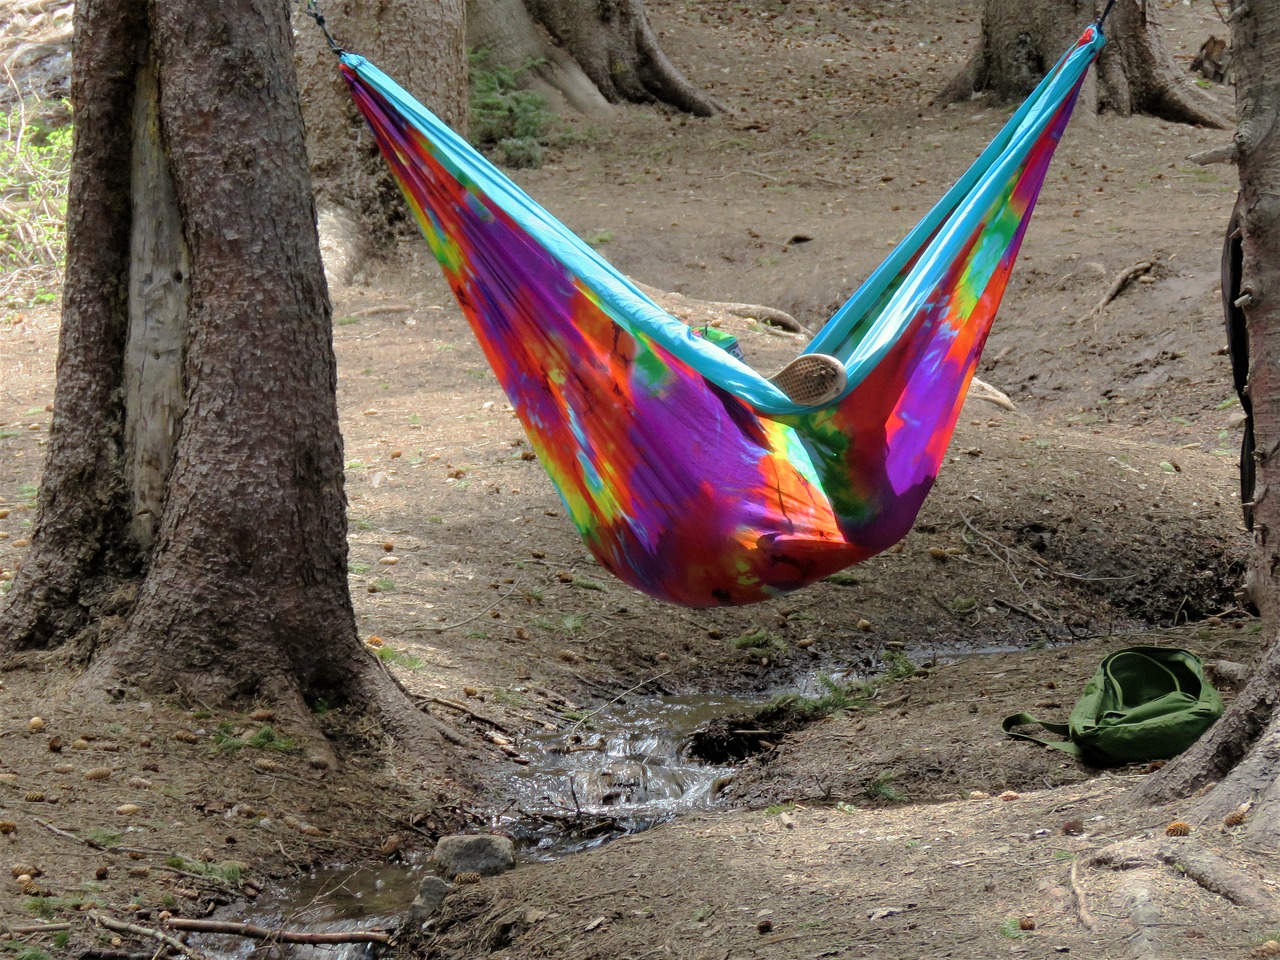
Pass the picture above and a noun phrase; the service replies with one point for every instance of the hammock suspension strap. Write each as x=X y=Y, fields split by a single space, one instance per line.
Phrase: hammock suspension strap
x=313 y=11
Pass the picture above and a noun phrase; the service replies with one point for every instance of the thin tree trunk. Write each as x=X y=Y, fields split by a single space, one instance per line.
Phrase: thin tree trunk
x=79 y=556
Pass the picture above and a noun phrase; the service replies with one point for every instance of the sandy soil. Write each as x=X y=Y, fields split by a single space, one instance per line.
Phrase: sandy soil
x=1102 y=512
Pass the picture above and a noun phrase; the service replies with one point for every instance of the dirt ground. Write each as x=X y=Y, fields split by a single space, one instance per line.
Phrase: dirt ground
x=1102 y=512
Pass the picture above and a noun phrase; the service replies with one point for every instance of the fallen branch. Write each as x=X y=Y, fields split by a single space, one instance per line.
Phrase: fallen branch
x=381 y=309
x=463 y=708
x=279 y=936
x=449 y=626
x=33 y=928
x=1122 y=280
x=70 y=836
x=981 y=390
x=121 y=927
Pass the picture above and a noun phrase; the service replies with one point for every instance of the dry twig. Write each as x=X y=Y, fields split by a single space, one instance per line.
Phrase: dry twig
x=1122 y=280
x=121 y=927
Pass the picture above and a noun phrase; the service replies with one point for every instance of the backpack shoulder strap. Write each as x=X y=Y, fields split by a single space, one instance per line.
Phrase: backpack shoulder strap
x=1021 y=719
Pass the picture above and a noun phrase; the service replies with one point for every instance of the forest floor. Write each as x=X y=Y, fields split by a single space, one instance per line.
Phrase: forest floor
x=1103 y=512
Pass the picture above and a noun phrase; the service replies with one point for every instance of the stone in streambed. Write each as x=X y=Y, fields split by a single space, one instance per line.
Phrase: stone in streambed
x=484 y=854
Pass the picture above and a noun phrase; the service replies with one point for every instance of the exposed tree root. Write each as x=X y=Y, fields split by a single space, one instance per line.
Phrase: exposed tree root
x=1218 y=876
x=696 y=312
x=1196 y=863
x=1087 y=919
x=1136 y=900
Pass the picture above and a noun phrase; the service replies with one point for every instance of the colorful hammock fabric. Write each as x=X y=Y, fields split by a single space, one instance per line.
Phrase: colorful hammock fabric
x=689 y=475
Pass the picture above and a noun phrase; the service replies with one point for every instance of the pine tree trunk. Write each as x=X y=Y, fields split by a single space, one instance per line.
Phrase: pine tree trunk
x=191 y=533
x=1242 y=752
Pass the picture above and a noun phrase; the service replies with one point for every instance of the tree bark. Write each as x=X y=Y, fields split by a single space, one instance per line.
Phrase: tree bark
x=422 y=44
x=1022 y=39
x=191 y=532
x=1242 y=752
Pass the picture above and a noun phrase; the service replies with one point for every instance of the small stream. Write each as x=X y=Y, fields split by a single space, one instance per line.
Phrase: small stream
x=621 y=770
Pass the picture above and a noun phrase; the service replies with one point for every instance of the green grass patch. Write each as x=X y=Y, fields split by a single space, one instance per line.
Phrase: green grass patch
x=760 y=643
x=400 y=658
x=881 y=789
x=229 y=871
x=264 y=738
x=509 y=698
x=1011 y=928
x=512 y=124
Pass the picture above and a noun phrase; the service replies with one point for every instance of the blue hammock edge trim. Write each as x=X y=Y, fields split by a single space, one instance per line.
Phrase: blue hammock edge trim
x=961 y=208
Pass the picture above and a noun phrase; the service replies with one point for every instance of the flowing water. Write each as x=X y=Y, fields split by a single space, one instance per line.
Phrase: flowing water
x=622 y=769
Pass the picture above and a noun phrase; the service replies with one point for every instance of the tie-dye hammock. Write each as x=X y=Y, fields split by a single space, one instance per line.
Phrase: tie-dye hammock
x=689 y=475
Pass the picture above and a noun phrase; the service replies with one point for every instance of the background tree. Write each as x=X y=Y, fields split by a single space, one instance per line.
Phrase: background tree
x=582 y=54
x=191 y=530
x=611 y=44
x=1021 y=40
x=421 y=44
x=1240 y=752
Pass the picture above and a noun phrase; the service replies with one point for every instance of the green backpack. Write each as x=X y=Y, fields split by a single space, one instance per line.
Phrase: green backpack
x=1144 y=703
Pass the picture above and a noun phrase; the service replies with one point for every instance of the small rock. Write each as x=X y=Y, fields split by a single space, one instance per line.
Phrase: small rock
x=430 y=895
x=35 y=725
x=484 y=854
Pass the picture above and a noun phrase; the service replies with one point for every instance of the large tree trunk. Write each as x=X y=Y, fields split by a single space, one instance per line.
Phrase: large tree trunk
x=421 y=44
x=592 y=52
x=1022 y=39
x=191 y=533
x=1242 y=752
